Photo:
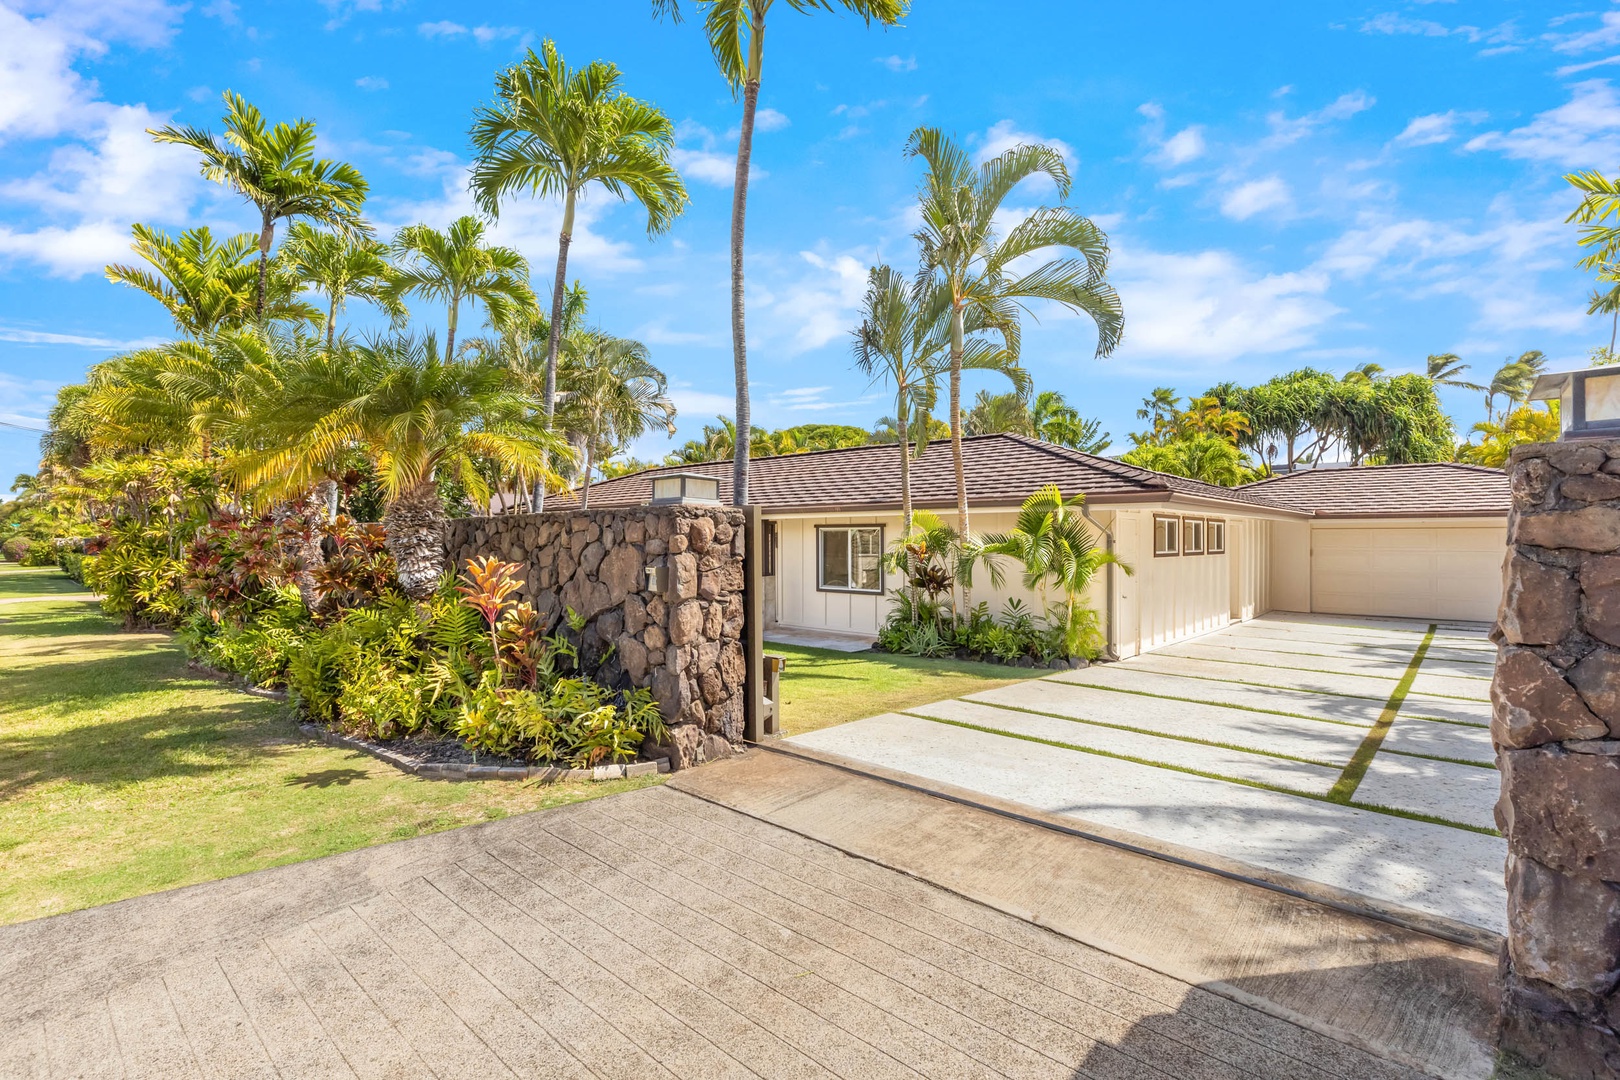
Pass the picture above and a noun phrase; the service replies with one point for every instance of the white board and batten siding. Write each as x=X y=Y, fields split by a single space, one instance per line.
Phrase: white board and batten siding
x=1421 y=569
x=1167 y=599
x=1173 y=597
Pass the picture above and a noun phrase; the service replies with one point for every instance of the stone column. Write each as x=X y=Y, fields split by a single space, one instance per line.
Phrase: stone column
x=1556 y=727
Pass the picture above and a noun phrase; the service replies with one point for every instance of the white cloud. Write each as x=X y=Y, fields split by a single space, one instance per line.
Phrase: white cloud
x=371 y=82
x=703 y=162
x=812 y=399
x=1434 y=128
x=1184 y=146
x=1286 y=130
x=1004 y=135
x=1584 y=132
x=1605 y=35
x=90 y=341
x=1257 y=196
x=223 y=10
x=805 y=305
x=1503 y=36
x=481 y=34
x=1209 y=307
x=898 y=63
x=770 y=120
x=26 y=402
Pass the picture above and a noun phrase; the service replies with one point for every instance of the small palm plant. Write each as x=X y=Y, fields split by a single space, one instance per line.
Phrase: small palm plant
x=1053 y=545
x=276 y=170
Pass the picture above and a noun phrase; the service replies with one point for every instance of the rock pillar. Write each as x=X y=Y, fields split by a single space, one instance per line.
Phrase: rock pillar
x=1556 y=727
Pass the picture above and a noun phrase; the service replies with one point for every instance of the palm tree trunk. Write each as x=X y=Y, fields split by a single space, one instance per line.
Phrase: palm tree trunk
x=585 y=486
x=331 y=321
x=413 y=528
x=537 y=499
x=905 y=486
x=956 y=440
x=267 y=236
x=739 y=213
x=1614 y=331
x=450 y=338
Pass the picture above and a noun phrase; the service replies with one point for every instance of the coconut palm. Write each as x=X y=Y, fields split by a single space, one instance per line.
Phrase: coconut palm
x=1368 y=372
x=552 y=131
x=341 y=267
x=736 y=34
x=419 y=417
x=974 y=267
x=1052 y=544
x=1445 y=369
x=1513 y=381
x=611 y=394
x=204 y=285
x=456 y=266
x=276 y=170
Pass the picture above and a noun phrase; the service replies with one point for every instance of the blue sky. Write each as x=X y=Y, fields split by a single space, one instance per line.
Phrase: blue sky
x=1323 y=184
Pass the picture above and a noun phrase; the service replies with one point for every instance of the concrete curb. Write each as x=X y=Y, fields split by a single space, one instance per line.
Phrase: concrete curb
x=455 y=770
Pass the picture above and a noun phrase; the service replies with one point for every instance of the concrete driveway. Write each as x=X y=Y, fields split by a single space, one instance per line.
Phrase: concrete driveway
x=1349 y=754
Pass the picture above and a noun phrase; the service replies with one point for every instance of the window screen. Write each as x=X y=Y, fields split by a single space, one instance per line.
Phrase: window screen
x=1166 y=536
x=1215 y=537
x=1192 y=536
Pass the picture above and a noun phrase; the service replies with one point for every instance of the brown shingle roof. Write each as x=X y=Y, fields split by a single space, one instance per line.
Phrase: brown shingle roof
x=1001 y=471
x=1442 y=489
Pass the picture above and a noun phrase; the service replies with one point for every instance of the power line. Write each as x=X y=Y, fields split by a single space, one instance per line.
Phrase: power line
x=20 y=427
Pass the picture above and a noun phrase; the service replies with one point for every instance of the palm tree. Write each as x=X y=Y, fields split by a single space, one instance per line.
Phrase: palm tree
x=455 y=266
x=1160 y=406
x=736 y=33
x=553 y=131
x=1445 y=369
x=340 y=267
x=275 y=169
x=1513 y=381
x=1607 y=303
x=204 y=286
x=611 y=395
x=1368 y=372
x=972 y=266
x=1051 y=542
x=419 y=417
x=1206 y=457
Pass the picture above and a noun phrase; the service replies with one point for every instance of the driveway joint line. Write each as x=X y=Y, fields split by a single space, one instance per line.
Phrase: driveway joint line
x=1363 y=757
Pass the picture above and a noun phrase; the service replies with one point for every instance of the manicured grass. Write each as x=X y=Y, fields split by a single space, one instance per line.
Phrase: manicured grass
x=821 y=688
x=122 y=773
x=35 y=581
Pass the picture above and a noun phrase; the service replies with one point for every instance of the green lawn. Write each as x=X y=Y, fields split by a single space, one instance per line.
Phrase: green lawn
x=35 y=581
x=821 y=688
x=122 y=773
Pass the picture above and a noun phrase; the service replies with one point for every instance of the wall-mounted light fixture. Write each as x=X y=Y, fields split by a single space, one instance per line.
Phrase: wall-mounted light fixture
x=1588 y=401
x=673 y=488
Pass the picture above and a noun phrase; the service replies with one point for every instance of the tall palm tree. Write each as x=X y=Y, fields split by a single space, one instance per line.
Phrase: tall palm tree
x=1445 y=369
x=455 y=266
x=340 y=267
x=276 y=170
x=552 y=131
x=419 y=417
x=973 y=266
x=1054 y=420
x=611 y=394
x=1607 y=303
x=736 y=33
x=1513 y=381
x=205 y=286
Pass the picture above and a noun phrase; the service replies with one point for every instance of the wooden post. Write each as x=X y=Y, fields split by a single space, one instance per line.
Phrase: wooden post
x=754 y=625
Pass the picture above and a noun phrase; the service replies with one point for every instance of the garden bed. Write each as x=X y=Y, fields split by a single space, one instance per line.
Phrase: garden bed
x=448 y=758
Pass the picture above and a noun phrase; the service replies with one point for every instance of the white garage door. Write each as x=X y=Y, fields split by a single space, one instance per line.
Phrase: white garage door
x=1420 y=573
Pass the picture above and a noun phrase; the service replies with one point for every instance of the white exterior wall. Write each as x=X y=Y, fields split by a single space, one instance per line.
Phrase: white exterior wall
x=1291 y=565
x=793 y=601
x=1170 y=598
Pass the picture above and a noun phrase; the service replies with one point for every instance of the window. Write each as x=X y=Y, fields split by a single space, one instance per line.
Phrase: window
x=1192 y=536
x=767 y=555
x=1166 y=535
x=1215 y=536
x=849 y=558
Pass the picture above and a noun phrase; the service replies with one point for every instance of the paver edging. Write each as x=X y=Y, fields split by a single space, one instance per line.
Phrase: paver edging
x=460 y=770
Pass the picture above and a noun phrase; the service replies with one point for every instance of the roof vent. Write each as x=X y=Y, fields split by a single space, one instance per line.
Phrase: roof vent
x=674 y=489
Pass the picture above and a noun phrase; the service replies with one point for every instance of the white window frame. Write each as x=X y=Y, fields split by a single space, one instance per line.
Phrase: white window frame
x=849 y=531
x=1192 y=528
x=1160 y=551
x=1213 y=528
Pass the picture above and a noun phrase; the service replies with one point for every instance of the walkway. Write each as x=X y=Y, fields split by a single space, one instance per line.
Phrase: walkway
x=1352 y=754
x=647 y=934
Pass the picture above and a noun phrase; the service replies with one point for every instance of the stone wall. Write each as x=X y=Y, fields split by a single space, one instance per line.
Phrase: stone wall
x=1556 y=726
x=683 y=641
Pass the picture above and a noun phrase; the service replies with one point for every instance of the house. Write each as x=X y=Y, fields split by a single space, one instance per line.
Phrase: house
x=1422 y=541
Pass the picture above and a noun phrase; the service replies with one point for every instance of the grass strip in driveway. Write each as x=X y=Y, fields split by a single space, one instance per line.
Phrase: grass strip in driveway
x=1392 y=811
x=1353 y=772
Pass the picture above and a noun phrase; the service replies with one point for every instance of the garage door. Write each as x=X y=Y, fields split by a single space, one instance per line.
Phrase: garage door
x=1421 y=573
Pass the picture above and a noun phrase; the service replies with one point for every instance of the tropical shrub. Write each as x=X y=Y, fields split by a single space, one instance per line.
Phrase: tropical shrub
x=140 y=576
x=72 y=563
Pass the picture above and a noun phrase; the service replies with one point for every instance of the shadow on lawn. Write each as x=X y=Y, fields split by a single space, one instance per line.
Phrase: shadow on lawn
x=64 y=618
x=326 y=778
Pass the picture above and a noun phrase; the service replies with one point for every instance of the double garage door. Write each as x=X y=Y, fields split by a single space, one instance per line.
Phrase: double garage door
x=1417 y=572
